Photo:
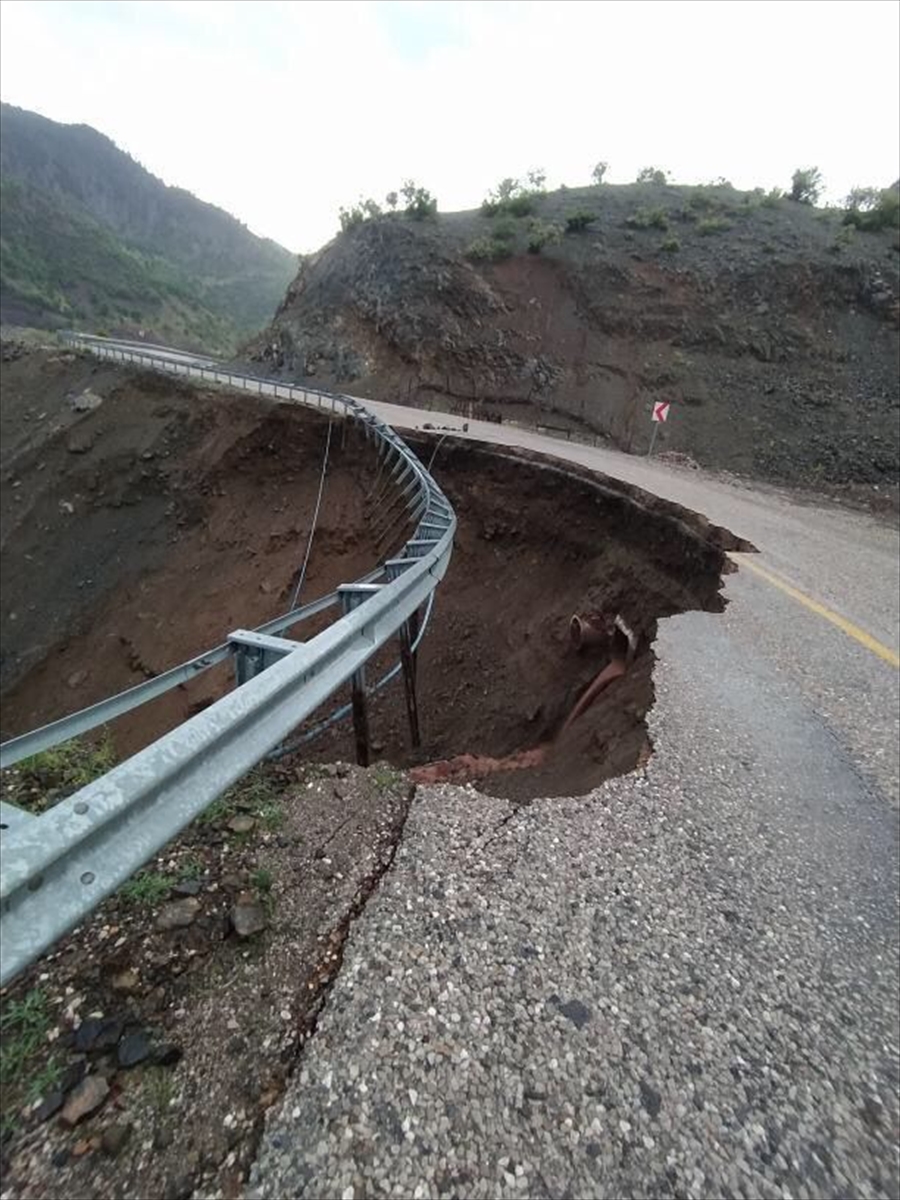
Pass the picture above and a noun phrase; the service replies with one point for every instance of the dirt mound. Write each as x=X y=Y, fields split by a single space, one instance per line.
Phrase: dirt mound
x=770 y=327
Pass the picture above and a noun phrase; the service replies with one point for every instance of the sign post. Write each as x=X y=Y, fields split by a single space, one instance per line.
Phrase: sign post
x=660 y=413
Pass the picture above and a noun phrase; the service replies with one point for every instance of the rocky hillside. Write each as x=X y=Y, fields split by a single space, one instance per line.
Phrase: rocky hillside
x=91 y=238
x=771 y=326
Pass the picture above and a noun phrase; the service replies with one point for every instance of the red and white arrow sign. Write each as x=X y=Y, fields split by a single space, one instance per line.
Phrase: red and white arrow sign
x=661 y=410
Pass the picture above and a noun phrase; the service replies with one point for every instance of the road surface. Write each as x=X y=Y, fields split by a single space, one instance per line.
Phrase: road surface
x=684 y=984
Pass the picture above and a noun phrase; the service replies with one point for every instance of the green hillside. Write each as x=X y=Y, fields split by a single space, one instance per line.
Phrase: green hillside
x=89 y=238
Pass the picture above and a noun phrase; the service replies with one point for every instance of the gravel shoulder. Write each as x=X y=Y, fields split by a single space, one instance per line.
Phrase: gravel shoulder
x=682 y=985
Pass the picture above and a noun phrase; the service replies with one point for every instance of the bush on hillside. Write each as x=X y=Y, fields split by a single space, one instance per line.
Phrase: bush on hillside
x=599 y=172
x=577 y=221
x=871 y=209
x=648 y=218
x=652 y=175
x=419 y=201
x=806 y=185
x=541 y=234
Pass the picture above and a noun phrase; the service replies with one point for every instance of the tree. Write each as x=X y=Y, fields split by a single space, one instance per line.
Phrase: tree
x=507 y=188
x=652 y=175
x=391 y=200
x=599 y=172
x=537 y=177
x=806 y=185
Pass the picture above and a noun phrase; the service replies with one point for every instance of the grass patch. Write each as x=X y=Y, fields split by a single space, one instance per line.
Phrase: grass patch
x=262 y=879
x=146 y=889
x=384 y=776
x=256 y=794
x=39 y=782
x=159 y=1089
x=713 y=225
x=24 y=1025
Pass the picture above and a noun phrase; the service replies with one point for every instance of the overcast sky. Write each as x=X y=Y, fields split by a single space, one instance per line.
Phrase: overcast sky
x=281 y=112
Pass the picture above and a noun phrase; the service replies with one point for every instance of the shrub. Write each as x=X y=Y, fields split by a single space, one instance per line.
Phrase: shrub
x=504 y=231
x=541 y=234
x=510 y=196
x=869 y=209
x=711 y=225
x=521 y=205
x=772 y=198
x=419 y=201
x=391 y=200
x=363 y=210
x=577 y=221
x=701 y=201
x=670 y=245
x=537 y=177
x=806 y=185
x=599 y=172
x=652 y=175
x=648 y=218
x=489 y=249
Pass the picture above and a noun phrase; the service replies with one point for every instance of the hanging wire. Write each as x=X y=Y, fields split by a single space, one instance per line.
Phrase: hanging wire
x=312 y=531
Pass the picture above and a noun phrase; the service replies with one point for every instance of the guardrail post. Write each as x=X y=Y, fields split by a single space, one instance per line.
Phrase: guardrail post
x=358 y=701
x=409 y=631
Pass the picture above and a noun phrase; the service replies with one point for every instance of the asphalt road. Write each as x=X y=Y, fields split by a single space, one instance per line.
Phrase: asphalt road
x=684 y=984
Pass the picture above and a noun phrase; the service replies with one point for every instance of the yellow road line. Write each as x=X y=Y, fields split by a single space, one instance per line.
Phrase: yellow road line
x=854 y=631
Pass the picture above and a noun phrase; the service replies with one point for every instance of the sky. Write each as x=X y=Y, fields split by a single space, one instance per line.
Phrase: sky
x=282 y=112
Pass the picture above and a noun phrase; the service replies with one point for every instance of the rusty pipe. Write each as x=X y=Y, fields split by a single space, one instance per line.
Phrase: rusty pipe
x=589 y=631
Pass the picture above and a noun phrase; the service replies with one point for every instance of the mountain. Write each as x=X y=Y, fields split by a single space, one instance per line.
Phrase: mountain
x=88 y=237
x=770 y=325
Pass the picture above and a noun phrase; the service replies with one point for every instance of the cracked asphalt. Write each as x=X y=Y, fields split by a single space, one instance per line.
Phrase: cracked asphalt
x=684 y=984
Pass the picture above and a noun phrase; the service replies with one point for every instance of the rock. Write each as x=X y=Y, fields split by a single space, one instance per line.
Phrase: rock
x=133 y=1049
x=50 y=1104
x=248 y=916
x=72 y=1075
x=242 y=823
x=579 y=1014
x=66 y=506
x=114 y=1138
x=178 y=913
x=342 y=770
x=331 y=770
x=167 y=1055
x=98 y=1033
x=187 y=887
x=86 y=1099
x=87 y=401
x=76 y=679
x=650 y=1098
x=234 y=881
x=126 y=981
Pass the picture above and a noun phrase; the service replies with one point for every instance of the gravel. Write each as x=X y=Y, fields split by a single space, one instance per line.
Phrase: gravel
x=682 y=985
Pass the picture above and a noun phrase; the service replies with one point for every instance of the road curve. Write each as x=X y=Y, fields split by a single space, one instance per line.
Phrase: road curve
x=684 y=984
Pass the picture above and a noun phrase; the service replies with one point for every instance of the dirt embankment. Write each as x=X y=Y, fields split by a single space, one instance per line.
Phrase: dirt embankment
x=771 y=328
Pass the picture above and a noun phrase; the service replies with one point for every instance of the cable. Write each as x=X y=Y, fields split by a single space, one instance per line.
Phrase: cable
x=312 y=531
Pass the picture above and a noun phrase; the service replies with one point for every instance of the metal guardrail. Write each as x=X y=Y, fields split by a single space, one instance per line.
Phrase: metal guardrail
x=57 y=867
